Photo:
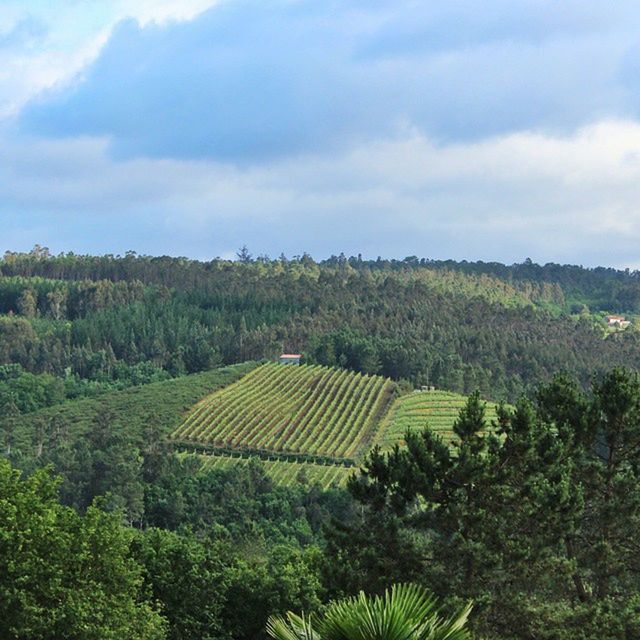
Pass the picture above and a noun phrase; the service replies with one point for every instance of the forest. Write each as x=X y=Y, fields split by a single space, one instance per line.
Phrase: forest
x=107 y=531
x=73 y=326
x=109 y=537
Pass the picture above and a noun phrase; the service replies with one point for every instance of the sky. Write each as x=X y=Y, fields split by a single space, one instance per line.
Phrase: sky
x=481 y=131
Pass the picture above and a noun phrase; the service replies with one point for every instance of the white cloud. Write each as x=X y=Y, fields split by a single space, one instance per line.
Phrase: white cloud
x=145 y=11
x=73 y=35
x=571 y=198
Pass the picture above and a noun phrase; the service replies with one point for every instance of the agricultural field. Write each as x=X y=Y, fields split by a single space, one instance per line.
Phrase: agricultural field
x=437 y=410
x=162 y=404
x=310 y=410
x=283 y=473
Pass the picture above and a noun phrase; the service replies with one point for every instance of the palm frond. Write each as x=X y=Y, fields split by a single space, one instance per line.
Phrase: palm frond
x=293 y=628
x=404 y=612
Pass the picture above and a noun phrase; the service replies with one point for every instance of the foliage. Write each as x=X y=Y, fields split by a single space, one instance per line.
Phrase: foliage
x=66 y=576
x=436 y=409
x=460 y=326
x=240 y=503
x=283 y=472
x=328 y=413
x=146 y=413
x=63 y=575
x=537 y=523
x=404 y=611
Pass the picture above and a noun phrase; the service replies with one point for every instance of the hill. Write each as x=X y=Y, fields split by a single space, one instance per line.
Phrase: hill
x=437 y=410
x=306 y=423
x=459 y=326
x=160 y=405
x=312 y=412
x=310 y=423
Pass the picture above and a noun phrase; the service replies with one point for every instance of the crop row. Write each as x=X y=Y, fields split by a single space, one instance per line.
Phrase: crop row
x=436 y=410
x=284 y=473
x=307 y=409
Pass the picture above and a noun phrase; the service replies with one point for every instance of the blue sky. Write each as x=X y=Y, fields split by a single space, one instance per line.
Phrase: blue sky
x=378 y=127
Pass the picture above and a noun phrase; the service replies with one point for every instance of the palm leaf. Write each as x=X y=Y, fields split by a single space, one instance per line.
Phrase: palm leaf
x=293 y=628
x=405 y=612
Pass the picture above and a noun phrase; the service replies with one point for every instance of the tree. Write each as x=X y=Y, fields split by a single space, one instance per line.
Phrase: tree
x=186 y=576
x=10 y=415
x=57 y=300
x=536 y=522
x=404 y=611
x=28 y=303
x=243 y=255
x=106 y=463
x=63 y=576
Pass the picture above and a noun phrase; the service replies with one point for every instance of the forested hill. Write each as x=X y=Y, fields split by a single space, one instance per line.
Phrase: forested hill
x=75 y=325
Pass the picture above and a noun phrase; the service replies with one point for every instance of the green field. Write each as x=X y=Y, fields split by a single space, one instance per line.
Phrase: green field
x=284 y=473
x=309 y=410
x=161 y=404
x=437 y=410
x=309 y=421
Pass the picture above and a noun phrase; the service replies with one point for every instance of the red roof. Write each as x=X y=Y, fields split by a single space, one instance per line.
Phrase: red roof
x=291 y=355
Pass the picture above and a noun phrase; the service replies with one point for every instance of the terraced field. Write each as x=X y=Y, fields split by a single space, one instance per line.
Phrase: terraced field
x=309 y=422
x=309 y=410
x=284 y=473
x=436 y=409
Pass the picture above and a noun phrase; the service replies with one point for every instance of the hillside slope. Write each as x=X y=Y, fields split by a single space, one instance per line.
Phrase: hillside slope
x=461 y=327
x=159 y=404
x=437 y=410
x=306 y=424
x=306 y=410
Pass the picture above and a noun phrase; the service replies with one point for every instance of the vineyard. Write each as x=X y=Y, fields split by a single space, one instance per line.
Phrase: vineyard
x=309 y=423
x=309 y=413
x=284 y=473
x=436 y=409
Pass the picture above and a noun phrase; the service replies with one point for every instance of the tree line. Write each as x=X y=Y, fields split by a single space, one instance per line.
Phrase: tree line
x=119 y=321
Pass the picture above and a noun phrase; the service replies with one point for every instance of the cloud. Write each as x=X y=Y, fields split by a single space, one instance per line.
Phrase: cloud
x=47 y=44
x=25 y=33
x=369 y=126
x=554 y=198
x=248 y=81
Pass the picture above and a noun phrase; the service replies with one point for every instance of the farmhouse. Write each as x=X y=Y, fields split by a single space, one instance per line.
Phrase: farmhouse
x=290 y=358
x=617 y=322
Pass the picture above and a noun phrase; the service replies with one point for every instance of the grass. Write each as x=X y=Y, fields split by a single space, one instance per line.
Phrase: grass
x=285 y=473
x=437 y=410
x=162 y=404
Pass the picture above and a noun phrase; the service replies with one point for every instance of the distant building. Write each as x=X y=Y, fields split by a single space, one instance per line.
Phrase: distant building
x=290 y=358
x=617 y=322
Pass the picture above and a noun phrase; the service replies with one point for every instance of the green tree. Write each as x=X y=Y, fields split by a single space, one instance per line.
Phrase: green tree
x=536 y=522
x=187 y=576
x=28 y=303
x=63 y=576
x=10 y=416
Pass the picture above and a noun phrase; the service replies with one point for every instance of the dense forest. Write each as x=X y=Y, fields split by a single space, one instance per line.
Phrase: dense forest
x=106 y=531
x=77 y=325
x=535 y=524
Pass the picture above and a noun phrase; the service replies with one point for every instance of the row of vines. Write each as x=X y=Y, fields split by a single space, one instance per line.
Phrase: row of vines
x=292 y=409
x=437 y=410
x=285 y=473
